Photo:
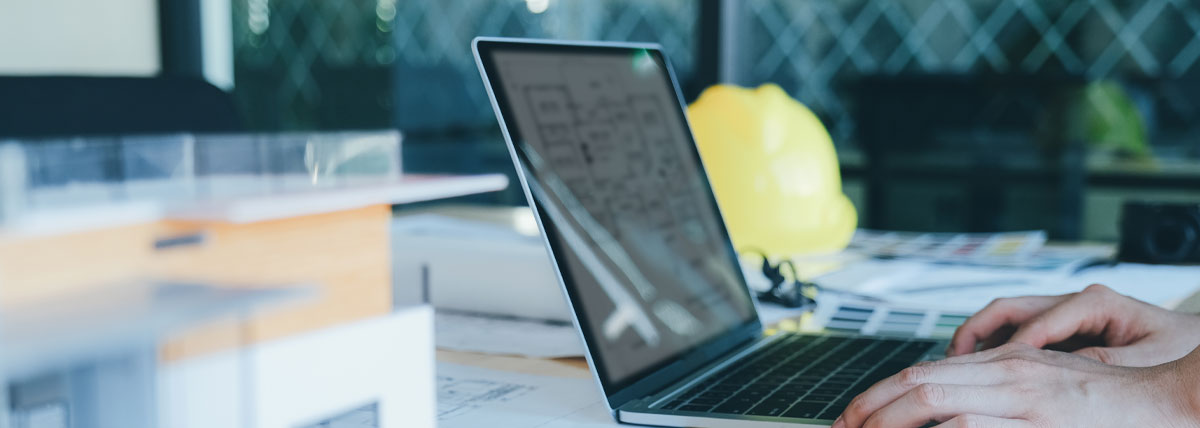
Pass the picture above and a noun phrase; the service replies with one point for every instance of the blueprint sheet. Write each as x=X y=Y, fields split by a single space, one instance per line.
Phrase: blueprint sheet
x=472 y=397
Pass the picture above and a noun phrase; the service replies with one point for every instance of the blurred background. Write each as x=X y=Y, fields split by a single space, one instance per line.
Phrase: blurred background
x=931 y=103
x=211 y=160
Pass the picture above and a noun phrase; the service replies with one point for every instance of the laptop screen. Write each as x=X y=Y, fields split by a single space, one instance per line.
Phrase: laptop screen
x=634 y=228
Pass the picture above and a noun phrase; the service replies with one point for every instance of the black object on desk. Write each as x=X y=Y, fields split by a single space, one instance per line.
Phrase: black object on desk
x=789 y=294
x=1160 y=233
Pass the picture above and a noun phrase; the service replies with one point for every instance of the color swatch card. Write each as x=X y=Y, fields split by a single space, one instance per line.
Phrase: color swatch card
x=1009 y=250
x=949 y=247
x=871 y=318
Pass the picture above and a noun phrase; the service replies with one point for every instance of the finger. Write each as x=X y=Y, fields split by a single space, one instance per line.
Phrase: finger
x=1001 y=352
x=978 y=421
x=976 y=358
x=1075 y=343
x=999 y=337
x=888 y=390
x=1146 y=352
x=937 y=403
x=999 y=313
x=1128 y=356
x=1101 y=354
x=1085 y=313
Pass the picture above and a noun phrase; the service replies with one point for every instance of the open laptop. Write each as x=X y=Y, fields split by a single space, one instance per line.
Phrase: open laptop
x=603 y=148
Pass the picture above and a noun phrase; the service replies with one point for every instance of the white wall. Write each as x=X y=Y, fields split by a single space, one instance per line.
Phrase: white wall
x=89 y=37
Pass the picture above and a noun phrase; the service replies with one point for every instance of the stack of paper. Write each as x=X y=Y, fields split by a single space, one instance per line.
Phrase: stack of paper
x=490 y=334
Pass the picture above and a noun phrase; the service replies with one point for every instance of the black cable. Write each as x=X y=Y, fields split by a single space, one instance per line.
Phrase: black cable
x=791 y=297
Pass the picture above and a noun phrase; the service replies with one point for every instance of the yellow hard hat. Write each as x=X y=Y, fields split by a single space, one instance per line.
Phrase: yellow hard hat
x=774 y=171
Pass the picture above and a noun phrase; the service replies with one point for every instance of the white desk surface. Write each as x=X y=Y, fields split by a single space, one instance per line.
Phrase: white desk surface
x=577 y=367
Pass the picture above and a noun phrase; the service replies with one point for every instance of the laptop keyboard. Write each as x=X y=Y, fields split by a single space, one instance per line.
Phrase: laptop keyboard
x=811 y=377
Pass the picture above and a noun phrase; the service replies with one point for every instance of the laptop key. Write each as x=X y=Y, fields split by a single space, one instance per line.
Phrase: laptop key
x=815 y=382
x=767 y=409
x=796 y=390
x=921 y=346
x=786 y=395
x=756 y=394
x=828 y=414
x=805 y=411
x=774 y=378
x=837 y=386
x=780 y=401
x=734 y=407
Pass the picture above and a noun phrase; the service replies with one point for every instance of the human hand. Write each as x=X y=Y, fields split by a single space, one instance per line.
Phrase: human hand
x=1019 y=386
x=1121 y=330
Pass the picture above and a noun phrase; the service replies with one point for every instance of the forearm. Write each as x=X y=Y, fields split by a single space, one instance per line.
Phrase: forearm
x=1187 y=375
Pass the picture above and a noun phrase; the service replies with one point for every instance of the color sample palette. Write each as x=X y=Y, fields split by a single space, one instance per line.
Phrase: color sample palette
x=857 y=317
x=967 y=248
x=1010 y=250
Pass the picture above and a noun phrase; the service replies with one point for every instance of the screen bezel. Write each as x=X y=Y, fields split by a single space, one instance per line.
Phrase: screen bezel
x=671 y=369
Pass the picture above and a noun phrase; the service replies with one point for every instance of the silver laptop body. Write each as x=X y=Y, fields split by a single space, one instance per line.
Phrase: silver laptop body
x=604 y=152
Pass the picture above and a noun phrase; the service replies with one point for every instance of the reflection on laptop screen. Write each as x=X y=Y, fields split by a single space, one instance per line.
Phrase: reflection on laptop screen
x=613 y=169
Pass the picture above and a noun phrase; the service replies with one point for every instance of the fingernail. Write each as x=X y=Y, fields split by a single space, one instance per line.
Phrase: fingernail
x=838 y=423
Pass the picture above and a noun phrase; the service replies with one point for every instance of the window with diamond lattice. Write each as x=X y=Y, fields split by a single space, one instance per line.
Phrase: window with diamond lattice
x=817 y=48
x=312 y=64
x=437 y=84
x=315 y=64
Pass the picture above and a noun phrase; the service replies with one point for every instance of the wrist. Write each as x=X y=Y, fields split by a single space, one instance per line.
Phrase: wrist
x=1192 y=383
x=1184 y=376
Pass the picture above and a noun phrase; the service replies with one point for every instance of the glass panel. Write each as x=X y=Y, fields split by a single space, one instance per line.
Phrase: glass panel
x=818 y=49
x=314 y=64
x=985 y=115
